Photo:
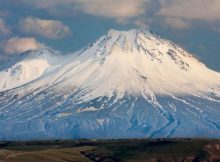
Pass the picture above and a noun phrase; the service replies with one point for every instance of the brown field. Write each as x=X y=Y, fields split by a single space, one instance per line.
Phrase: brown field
x=132 y=150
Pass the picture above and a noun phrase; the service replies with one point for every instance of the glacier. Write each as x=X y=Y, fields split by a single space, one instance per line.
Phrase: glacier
x=127 y=84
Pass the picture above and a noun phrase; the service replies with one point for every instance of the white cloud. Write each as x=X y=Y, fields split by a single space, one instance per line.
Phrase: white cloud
x=112 y=8
x=52 y=29
x=4 y=29
x=117 y=9
x=19 y=45
x=176 y=23
x=190 y=9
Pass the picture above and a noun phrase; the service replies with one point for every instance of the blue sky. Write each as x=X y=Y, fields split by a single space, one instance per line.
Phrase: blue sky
x=68 y=25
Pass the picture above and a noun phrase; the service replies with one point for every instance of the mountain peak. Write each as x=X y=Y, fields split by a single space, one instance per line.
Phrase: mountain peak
x=143 y=43
x=129 y=37
x=27 y=67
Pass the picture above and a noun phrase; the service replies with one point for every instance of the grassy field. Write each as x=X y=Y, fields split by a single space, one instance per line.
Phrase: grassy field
x=132 y=150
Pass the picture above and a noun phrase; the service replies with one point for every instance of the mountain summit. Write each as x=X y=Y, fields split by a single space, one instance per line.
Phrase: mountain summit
x=127 y=84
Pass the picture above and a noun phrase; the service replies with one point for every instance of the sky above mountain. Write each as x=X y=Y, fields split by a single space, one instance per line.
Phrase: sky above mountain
x=68 y=25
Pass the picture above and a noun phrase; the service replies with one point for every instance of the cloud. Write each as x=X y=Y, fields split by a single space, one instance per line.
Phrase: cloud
x=4 y=29
x=117 y=9
x=19 y=45
x=191 y=10
x=113 y=8
x=143 y=23
x=176 y=23
x=52 y=29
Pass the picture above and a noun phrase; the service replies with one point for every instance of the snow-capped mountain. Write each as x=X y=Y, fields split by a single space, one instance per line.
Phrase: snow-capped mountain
x=29 y=66
x=126 y=84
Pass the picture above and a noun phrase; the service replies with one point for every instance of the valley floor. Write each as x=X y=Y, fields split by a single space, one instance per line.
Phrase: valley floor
x=132 y=150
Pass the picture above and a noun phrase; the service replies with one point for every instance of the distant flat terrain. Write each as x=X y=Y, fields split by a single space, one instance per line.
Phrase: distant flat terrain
x=132 y=150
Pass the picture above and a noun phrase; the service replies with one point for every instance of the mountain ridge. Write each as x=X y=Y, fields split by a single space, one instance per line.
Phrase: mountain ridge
x=127 y=84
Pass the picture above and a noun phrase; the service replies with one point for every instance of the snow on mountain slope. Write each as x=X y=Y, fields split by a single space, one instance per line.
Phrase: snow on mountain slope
x=29 y=67
x=126 y=84
x=134 y=62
